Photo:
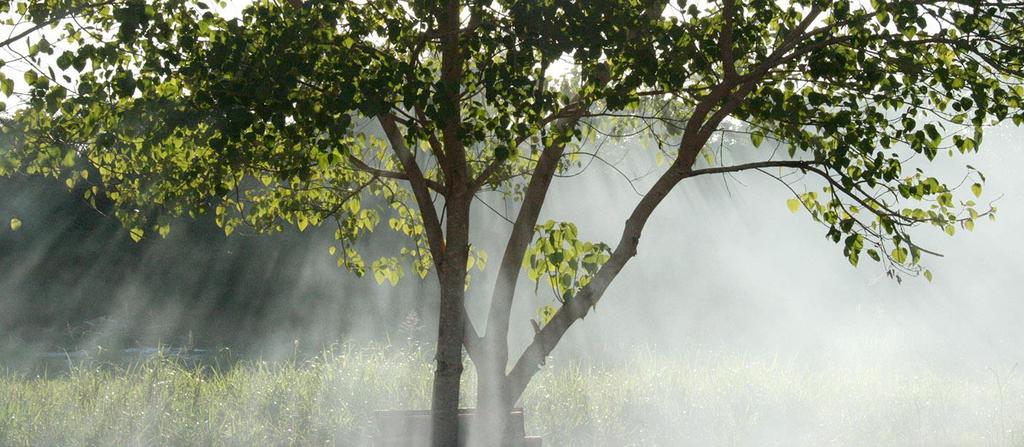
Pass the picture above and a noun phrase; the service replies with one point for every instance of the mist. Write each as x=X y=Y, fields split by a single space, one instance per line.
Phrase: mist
x=724 y=265
x=727 y=280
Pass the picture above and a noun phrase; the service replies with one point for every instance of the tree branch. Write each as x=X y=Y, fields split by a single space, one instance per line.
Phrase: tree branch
x=515 y=249
x=573 y=111
x=797 y=164
x=578 y=306
x=471 y=337
x=362 y=166
x=725 y=40
x=418 y=184
x=53 y=20
x=693 y=139
x=451 y=81
x=498 y=315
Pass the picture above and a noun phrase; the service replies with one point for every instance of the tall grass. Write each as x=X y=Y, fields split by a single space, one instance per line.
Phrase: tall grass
x=704 y=399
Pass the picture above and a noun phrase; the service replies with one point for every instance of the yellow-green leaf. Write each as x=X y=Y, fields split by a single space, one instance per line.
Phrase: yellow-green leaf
x=976 y=189
x=899 y=255
x=547 y=312
x=793 y=205
x=481 y=260
x=15 y=224
x=928 y=275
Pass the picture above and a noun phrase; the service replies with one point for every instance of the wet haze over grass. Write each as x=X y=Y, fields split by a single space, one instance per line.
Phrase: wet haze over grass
x=706 y=398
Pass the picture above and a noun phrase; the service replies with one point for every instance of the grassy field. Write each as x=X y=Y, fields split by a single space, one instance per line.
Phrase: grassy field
x=704 y=399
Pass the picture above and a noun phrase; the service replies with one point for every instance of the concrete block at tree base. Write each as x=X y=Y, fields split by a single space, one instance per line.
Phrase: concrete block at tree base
x=411 y=428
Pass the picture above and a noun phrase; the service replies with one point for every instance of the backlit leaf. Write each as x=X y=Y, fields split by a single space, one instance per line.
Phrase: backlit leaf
x=793 y=205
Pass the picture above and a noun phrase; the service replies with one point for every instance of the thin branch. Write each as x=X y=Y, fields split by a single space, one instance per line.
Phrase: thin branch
x=362 y=166
x=798 y=164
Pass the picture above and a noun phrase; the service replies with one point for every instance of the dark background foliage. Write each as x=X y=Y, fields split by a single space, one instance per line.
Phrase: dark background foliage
x=72 y=277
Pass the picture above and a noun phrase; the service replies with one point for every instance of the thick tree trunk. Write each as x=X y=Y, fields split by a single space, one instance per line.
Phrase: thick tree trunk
x=452 y=276
x=447 y=375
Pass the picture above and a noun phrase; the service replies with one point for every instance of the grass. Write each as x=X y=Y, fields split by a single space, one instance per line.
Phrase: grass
x=705 y=399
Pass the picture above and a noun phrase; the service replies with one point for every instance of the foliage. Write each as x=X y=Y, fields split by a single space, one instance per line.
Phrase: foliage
x=567 y=263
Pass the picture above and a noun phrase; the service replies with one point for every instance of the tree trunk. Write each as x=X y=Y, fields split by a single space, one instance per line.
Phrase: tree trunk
x=493 y=406
x=445 y=403
x=452 y=276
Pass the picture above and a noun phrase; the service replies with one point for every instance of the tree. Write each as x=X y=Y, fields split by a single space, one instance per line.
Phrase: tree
x=352 y=113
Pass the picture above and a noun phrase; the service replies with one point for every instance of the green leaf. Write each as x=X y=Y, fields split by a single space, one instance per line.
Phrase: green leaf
x=501 y=153
x=546 y=312
x=757 y=137
x=899 y=255
x=976 y=189
x=928 y=275
x=15 y=224
x=793 y=205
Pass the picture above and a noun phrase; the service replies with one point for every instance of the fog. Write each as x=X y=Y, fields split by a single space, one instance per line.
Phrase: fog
x=726 y=279
x=723 y=264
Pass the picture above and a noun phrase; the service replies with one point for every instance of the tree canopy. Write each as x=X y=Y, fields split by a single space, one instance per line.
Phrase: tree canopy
x=265 y=119
x=356 y=112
